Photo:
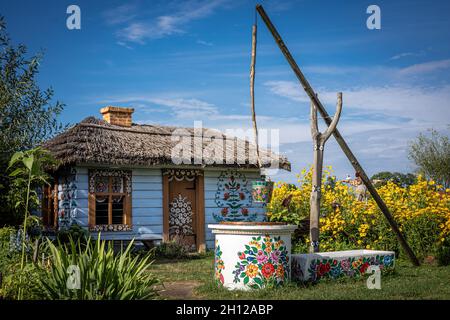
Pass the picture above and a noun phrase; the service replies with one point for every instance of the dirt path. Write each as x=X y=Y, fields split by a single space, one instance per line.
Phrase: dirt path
x=179 y=290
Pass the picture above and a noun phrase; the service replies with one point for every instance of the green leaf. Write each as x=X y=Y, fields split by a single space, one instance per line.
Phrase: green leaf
x=16 y=172
x=16 y=156
x=28 y=161
x=246 y=280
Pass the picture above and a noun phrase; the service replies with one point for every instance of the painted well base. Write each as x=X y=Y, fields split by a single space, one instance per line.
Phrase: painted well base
x=337 y=264
x=252 y=256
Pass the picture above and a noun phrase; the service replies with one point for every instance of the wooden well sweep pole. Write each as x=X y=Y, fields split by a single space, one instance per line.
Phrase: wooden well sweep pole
x=340 y=140
x=252 y=92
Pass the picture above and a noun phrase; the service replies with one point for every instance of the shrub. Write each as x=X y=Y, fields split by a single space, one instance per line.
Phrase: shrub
x=443 y=253
x=25 y=281
x=5 y=254
x=103 y=274
x=291 y=204
x=12 y=276
x=171 y=250
x=74 y=232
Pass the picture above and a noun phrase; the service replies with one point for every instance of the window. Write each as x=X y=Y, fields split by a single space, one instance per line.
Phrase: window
x=110 y=199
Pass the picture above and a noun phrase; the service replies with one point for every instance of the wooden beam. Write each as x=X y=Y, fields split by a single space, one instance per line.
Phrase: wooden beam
x=340 y=140
x=165 y=179
x=200 y=204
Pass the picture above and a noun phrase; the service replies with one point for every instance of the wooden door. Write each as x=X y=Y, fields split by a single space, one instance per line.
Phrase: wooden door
x=183 y=212
x=183 y=198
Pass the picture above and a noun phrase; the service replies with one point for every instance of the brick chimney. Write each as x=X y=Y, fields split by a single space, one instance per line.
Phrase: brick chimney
x=117 y=115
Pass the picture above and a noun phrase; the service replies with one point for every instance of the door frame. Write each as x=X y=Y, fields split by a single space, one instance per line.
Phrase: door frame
x=200 y=214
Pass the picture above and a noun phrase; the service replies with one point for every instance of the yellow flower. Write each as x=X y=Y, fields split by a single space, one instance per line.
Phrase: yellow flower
x=252 y=270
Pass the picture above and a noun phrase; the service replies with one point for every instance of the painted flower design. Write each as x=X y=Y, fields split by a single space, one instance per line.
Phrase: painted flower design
x=345 y=264
x=224 y=212
x=262 y=263
x=275 y=255
x=351 y=267
x=387 y=260
x=251 y=271
x=219 y=264
x=261 y=257
x=324 y=268
x=280 y=271
x=267 y=270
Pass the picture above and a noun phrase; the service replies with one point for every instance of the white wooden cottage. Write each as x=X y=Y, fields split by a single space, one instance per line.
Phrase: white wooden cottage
x=120 y=179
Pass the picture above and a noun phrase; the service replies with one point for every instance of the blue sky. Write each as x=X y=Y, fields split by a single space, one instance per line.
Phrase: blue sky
x=180 y=61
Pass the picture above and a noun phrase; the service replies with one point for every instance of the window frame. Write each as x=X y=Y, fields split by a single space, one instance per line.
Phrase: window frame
x=126 y=193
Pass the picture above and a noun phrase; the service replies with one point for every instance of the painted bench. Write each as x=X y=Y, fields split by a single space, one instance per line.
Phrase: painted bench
x=333 y=265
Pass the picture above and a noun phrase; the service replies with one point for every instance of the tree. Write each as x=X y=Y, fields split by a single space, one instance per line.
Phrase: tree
x=27 y=116
x=431 y=154
x=401 y=179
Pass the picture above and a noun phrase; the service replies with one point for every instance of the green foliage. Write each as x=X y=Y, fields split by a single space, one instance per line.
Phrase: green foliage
x=401 y=179
x=432 y=155
x=27 y=173
x=104 y=275
x=5 y=255
x=443 y=253
x=21 y=284
x=12 y=275
x=27 y=115
x=171 y=250
x=75 y=233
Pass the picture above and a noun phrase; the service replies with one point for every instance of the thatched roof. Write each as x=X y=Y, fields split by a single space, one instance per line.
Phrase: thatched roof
x=94 y=141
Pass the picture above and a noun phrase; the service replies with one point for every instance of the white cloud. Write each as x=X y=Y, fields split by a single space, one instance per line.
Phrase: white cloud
x=169 y=24
x=407 y=54
x=205 y=43
x=414 y=102
x=427 y=67
x=120 y=14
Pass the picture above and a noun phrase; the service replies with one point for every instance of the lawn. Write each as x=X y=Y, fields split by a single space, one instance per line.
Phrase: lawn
x=193 y=279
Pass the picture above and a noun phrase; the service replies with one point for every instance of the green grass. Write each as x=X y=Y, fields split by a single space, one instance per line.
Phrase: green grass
x=407 y=282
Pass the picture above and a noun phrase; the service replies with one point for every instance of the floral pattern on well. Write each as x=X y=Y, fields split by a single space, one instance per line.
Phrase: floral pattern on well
x=262 y=191
x=218 y=264
x=351 y=267
x=265 y=261
x=233 y=198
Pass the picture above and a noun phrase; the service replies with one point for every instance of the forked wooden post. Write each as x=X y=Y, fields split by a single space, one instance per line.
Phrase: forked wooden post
x=340 y=140
x=319 y=140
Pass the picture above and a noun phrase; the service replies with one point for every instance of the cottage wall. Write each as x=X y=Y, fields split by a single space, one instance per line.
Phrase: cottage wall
x=214 y=203
x=146 y=204
x=147 y=201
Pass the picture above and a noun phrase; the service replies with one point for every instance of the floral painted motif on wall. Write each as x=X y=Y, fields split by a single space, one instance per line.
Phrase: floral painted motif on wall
x=264 y=262
x=351 y=267
x=180 y=217
x=218 y=264
x=67 y=199
x=233 y=198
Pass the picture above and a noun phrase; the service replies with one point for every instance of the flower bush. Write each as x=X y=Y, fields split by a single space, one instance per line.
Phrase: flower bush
x=422 y=211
